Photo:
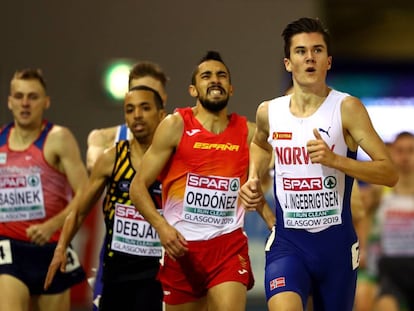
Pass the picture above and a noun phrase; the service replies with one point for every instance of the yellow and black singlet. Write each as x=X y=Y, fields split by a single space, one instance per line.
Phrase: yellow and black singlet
x=132 y=246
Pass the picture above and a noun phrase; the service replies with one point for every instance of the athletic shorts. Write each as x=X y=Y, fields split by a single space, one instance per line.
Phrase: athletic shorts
x=131 y=295
x=206 y=264
x=29 y=263
x=397 y=279
x=323 y=265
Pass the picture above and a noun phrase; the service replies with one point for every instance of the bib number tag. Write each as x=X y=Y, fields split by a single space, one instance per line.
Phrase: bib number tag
x=5 y=252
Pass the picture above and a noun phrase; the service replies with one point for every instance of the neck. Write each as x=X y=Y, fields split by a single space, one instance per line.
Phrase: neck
x=405 y=184
x=215 y=122
x=22 y=136
x=305 y=102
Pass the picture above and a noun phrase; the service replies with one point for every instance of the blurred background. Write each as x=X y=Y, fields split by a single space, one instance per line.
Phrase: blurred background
x=76 y=42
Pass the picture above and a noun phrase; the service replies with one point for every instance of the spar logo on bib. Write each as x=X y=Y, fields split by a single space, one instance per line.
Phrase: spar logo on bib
x=212 y=183
x=33 y=180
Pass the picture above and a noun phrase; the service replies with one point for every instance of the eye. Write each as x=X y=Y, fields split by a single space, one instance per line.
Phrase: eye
x=129 y=109
x=34 y=96
x=17 y=96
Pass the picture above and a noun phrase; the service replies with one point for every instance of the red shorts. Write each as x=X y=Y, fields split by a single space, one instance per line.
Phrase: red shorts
x=207 y=263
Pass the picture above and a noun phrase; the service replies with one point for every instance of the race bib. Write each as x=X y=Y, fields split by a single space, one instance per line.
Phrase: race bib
x=210 y=200
x=132 y=234
x=310 y=203
x=5 y=252
x=21 y=197
x=72 y=260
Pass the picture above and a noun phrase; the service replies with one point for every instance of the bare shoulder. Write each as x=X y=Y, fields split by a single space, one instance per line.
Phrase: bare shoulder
x=170 y=130
x=251 y=126
x=353 y=112
x=351 y=104
x=262 y=115
x=105 y=162
x=263 y=106
x=174 y=122
x=61 y=144
x=59 y=133
x=103 y=137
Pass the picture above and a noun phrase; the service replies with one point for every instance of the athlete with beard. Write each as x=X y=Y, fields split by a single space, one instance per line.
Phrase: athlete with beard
x=202 y=154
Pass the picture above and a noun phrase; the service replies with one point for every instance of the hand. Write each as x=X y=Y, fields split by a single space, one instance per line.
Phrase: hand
x=173 y=242
x=319 y=151
x=251 y=194
x=40 y=233
x=58 y=262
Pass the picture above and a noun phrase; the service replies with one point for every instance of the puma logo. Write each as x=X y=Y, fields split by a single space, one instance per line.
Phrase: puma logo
x=325 y=131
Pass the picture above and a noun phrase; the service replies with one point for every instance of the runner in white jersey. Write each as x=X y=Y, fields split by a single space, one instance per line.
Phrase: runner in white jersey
x=394 y=228
x=314 y=134
x=311 y=196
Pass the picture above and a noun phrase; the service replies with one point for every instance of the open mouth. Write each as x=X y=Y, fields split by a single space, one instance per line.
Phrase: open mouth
x=139 y=126
x=215 y=90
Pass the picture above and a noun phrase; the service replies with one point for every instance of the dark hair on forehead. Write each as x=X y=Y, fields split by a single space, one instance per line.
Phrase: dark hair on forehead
x=30 y=74
x=210 y=55
x=157 y=97
x=305 y=25
x=147 y=69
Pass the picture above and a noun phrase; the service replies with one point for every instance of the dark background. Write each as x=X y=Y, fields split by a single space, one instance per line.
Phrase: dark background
x=73 y=41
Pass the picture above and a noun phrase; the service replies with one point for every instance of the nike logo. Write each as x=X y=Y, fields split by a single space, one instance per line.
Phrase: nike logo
x=192 y=132
x=243 y=271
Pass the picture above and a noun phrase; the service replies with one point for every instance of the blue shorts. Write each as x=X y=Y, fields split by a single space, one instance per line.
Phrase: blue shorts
x=29 y=263
x=322 y=264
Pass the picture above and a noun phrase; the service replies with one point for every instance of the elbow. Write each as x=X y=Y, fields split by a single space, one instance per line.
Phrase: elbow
x=392 y=179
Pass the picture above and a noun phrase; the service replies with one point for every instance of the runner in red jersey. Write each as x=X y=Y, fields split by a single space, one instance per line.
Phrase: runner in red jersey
x=202 y=153
x=40 y=168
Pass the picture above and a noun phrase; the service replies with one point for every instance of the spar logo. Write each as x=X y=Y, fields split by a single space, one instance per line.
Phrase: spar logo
x=33 y=180
x=212 y=183
x=302 y=184
x=127 y=212
x=13 y=182
x=330 y=182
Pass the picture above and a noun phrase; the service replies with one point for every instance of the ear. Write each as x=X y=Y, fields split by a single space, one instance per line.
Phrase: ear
x=286 y=61
x=162 y=114
x=47 y=102
x=9 y=103
x=231 y=90
x=329 y=62
x=193 y=91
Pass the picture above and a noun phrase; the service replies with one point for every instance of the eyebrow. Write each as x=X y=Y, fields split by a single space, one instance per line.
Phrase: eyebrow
x=313 y=46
